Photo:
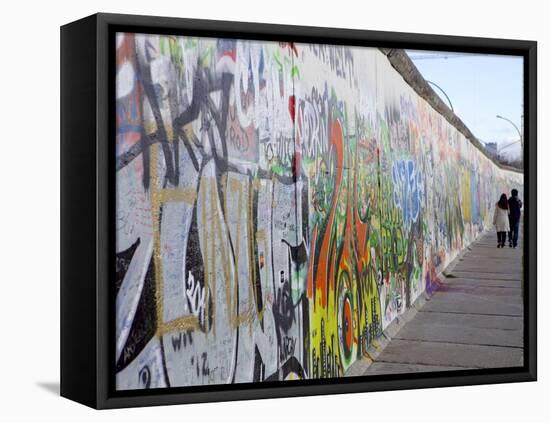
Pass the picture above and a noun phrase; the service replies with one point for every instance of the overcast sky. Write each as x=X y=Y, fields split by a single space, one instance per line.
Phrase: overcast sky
x=479 y=87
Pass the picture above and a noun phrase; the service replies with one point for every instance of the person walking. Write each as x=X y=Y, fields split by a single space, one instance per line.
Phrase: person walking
x=514 y=206
x=501 y=220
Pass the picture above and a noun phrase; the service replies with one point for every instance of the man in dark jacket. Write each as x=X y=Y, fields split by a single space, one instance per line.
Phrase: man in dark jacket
x=514 y=205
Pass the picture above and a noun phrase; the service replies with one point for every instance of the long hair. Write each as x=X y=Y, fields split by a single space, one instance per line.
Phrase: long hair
x=503 y=202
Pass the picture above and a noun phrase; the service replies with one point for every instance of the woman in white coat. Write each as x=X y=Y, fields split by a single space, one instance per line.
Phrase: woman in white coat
x=501 y=221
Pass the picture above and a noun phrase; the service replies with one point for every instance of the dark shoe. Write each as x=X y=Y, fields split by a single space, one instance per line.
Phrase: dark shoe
x=498 y=245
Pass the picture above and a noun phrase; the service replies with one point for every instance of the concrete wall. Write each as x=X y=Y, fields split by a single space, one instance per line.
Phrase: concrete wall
x=278 y=205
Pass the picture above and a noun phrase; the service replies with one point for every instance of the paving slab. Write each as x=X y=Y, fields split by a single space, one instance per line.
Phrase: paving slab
x=508 y=268
x=492 y=245
x=493 y=251
x=495 y=254
x=469 y=304
x=457 y=334
x=484 y=283
x=451 y=354
x=509 y=292
x=485 y=275
x=382 y=368
x=467 y=292
x=484 y=321
x=495 y=261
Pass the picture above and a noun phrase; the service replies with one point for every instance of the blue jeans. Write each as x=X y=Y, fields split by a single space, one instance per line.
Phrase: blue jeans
x=514 y=233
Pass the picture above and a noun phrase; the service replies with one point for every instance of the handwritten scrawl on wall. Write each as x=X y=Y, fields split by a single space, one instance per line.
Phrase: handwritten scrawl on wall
x=277 y=206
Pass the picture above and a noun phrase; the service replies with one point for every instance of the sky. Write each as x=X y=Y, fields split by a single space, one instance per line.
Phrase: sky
x=479 y=87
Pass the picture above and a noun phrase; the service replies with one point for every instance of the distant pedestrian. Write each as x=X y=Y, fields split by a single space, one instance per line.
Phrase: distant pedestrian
x=501 y=220
x=514 y=206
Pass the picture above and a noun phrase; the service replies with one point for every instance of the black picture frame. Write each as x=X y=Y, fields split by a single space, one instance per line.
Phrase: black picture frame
x=87 y=209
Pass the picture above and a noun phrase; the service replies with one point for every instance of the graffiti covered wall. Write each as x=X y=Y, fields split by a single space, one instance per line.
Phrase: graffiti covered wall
x=277 y=206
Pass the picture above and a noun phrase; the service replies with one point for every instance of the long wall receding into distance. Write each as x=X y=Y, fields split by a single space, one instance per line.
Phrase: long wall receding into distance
x=277 y=206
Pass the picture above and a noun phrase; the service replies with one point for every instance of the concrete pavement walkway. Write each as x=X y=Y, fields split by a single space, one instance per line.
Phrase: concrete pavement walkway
x=475 y=320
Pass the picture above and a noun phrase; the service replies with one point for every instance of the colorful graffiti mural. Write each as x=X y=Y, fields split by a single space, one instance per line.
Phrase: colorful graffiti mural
x=277 y=206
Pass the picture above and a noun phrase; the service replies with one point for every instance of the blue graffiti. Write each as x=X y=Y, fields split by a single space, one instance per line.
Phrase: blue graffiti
x=407 y=190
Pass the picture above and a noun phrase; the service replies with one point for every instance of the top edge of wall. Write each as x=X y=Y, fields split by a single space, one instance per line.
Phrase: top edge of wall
x=412 y=76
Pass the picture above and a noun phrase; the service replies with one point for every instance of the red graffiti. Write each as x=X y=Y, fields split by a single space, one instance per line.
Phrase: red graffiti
x=322 y=268
x=292 y=107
